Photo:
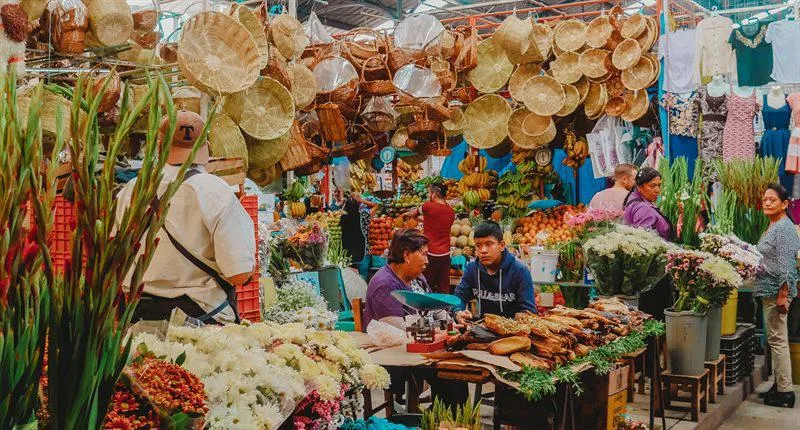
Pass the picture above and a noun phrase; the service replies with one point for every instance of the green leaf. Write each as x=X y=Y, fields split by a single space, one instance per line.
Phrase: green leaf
x=181 y=359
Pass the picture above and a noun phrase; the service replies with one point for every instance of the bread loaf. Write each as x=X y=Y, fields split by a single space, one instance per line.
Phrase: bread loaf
x=505 y=326
x=526 y=359
x=510 y=345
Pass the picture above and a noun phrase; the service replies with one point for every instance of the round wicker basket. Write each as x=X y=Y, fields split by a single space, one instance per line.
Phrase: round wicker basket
x=515 y=133
x=486 y=121
x=253 y=25
x=543 y=95
x=264 y=111
x=614 y=86
x=593 y=63
x=265 y=153
x=543 y=35
x=596 y=100
x=541 y=129
x=217 y=54
x=187 y=98
x=636 y=105
x=565 y=68
x=598 y=32
x=634 y=26
x=399 y=138
x=648 y=38
x=615 y=106
x=225 y=139
x=640 y=75
x=304 y=85
x=456 y=124
x=264 y=176
x=288 y=36
x=516 y=38
x=570 y=35
x=583 y=89
x=110 y=21
x=571 y=100
x=493 y=69
x=626 y=54
x=51 y=105
x=516 y=84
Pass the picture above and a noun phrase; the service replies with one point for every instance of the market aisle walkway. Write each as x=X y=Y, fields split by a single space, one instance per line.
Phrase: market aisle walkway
x=753 y=414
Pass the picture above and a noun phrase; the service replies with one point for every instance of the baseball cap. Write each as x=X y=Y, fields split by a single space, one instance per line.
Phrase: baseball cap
x=188 y=126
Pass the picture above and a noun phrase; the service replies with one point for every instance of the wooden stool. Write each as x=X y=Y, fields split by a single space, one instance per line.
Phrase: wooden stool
x=697 y=386
x=716 y=377
x=636 y=361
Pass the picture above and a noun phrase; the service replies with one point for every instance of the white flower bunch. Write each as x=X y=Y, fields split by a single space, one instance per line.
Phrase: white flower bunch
x=299 y=302
x=721 y=271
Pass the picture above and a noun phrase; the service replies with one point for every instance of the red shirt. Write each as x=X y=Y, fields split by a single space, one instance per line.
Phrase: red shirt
x=437 y=220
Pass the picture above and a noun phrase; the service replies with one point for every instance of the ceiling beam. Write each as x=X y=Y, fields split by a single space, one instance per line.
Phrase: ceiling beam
x=375 y=5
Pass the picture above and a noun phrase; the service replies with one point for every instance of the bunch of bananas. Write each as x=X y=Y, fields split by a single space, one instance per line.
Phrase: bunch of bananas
x=520 y=155
x=577 y=150
x=408 y=172
x=514 y=193
x=477 y=181
x=361 y=177
x=472 y=163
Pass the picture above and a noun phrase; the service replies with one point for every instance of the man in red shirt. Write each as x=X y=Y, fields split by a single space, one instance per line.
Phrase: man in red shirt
x=437 y=219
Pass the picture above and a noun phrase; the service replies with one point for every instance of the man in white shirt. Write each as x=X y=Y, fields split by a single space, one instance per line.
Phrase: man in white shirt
x=207 y=245
x=614 y=198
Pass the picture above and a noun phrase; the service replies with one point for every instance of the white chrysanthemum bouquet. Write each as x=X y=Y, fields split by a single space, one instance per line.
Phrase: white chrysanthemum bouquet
x=626 y=260
x=744 y=257
x=703 y=280
x=298 y=302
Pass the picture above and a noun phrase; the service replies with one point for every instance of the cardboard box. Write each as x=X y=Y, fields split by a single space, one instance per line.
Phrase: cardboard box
x=617 y=396
x=604 y=399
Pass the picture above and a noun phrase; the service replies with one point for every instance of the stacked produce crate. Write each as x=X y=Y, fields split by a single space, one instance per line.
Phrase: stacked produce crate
x=739 y=353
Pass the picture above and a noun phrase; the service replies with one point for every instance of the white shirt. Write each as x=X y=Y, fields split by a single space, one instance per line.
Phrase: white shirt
x=678 y=51
x=713 y=52
x=784 y=36
x=207 y=219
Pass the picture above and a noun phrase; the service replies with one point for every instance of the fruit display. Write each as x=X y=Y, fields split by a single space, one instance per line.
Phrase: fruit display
x=461 y=238
x=414 y=189
x=476 y=182
x=294 y=192
x=514 y=193
x=536 y=174
x=577 y=150
x=400 y=205
x=407 y=172
x=546 y=227
x=362 y=178
x=521 y=155
x=380 y=234
x=329 y=221
x=453 y=193
x=297 y=210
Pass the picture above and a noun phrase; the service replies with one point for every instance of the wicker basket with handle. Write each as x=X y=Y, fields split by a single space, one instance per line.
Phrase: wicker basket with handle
x=377 y=88
x=297 y=153
x=332 y=125
x=358 y=138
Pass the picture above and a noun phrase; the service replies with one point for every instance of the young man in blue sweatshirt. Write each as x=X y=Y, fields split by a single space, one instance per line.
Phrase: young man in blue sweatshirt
x=500 y=283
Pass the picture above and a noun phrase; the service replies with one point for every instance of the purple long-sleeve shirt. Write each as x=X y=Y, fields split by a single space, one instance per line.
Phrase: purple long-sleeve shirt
x=380 y=303
x=640 y=212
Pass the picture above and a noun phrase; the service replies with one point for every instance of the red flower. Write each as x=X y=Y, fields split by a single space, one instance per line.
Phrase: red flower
x=118 y=423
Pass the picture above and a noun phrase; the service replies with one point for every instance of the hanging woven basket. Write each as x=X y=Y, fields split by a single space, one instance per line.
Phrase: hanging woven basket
x=598 y=32
x=264 y=111
x=571 y=100
x=253 y=25
x=493 y=69
x=543 y=95
x=516 y=84
x=486 y=121
x=541 y=130
x=566 y=69
x=226 y=140
x=110 y=21
x=288 y=36
x=424 y=130
x=297 y=152
x=217 y=54
x=304 y=85
x=332 y=125
x=570 y=35
x=376 y=88
x=265 y=153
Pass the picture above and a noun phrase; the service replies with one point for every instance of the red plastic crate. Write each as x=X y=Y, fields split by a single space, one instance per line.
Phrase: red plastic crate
x=248 y=296
x=60 y=240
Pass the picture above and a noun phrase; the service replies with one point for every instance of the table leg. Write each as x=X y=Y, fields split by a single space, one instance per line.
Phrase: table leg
x=498 y=392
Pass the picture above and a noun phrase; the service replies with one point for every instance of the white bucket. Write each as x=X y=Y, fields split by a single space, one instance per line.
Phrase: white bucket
x=544 y=265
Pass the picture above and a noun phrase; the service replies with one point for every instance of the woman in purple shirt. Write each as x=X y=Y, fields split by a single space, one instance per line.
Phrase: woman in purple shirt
x=640 y=205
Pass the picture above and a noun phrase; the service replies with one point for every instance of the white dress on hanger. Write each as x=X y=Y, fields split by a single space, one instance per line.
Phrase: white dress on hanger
x=784 y=36
x=713 y=52
x=678 y=51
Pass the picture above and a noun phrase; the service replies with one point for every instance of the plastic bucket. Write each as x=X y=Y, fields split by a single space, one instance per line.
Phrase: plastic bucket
x=544 y=265
x=794 y=356
x=686 y=341
x=714 y=333
x=729 y=314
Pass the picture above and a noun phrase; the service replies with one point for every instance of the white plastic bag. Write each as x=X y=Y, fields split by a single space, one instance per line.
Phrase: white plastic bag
x=385 y=335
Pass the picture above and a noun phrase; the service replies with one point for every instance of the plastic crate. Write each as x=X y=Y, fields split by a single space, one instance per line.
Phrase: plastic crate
x=60 y=239
x=248 y=296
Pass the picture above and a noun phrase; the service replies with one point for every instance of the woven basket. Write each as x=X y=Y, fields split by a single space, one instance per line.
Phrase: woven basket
x=137 y=94
x=583 y=89
x=33 y=8
x=466 y=48
x=596 y=100
x=297 y=153
x=363 y=43
x=636 y=105
x=377 y=88
x=265 y=153
x=332 y=125
x=225 y=139
x=217 y=54
x=424 y=130
x=456 y=124
x=264 y=176
x=109 y=98
x=304 y=85
x=399 y=138
x=69 y=27
x=448 y=78
x=277 y=70
x=515 y=133
x=543 y=35
x=493 y=69
x=627 y=54
x=145 y=20
x=640 y=75
x=515 y=36
x=356 y=139
x=168 y=52
x=399 y=57
x=614 y=86
x=648 y=38
x=110 y=21
x=615 y=106
x=288 y=36
x=516 y=84
x=51 y=105
x=543 y=95
x=593 y=63
x=187 y=98
x=540 y=129
x=378 y=122
x=598 y=32
x=146 y=39
x=571 y=100
x=253 y=25
x=634 y=26
x=486 y=121
x=565 y=68
x=570 y=35
x=264 y=111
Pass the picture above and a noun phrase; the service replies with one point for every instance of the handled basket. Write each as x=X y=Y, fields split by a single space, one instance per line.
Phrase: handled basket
x=332 y=125
x=377 y=88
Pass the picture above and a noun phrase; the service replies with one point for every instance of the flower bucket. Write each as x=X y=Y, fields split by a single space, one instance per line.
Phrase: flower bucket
x=714 y=333
x=544 y=265
x=728 y=325
x=686 y=341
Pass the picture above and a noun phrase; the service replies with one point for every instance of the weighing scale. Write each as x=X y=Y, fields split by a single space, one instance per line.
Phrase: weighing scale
x=428 y=335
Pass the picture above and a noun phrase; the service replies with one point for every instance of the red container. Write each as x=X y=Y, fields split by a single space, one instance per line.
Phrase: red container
x=61 y=234
x=248 y=296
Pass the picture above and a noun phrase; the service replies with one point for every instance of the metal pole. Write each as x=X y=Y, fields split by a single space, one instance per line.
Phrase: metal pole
x=293 y=13
x=663 y=8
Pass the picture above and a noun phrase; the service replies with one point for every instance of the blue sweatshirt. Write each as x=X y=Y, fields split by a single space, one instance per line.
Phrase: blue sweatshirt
x=505 y=293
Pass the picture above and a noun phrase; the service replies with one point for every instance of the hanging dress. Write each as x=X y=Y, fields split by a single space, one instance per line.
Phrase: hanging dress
x=775 y=140
x=793 y=152
x=683 y=119
x=738 y=139
x=714 y=111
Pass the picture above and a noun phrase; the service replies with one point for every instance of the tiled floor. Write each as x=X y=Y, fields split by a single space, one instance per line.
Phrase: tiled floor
x=753 y=414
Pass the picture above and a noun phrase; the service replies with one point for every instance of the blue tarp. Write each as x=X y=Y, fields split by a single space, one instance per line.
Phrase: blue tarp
x=450 y=166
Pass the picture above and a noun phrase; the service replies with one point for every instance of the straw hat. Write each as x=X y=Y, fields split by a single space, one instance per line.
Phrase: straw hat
x=614 y=86
x=627 y=54
x=565 y=68
x=264 y=153
x=636 y=105
x=596 y=100
x=593 y=63
x=217 y=55
x=486 y=121
x=264 y=111
x=543 y=35
x=583 y=89
x=598 y=32
x=615 y=106
x=634 y=26
x=515 y=132
x=288 y=36
x=110 y=21
x=493 y=69
x=570 y=35
x=304 y=85
x=541 y=129
x=640 y=75
x=225 y=139
x=543 y=95
x=253 y=25
x=571 y=100
x=516 y=85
